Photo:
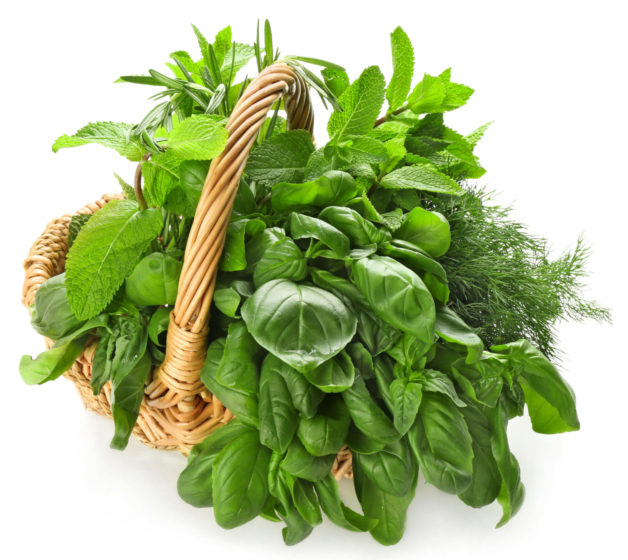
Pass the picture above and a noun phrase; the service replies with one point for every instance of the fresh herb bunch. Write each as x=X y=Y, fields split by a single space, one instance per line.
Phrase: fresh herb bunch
x=366 y=297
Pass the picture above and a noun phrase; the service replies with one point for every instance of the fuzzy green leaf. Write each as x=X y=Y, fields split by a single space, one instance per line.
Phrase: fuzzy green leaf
x=422 y=177
x=109 y=134
x=198 y=137
x=403 y=68
x=104 y=253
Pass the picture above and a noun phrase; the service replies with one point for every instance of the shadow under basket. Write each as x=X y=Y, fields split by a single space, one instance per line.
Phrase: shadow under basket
x=177 y=411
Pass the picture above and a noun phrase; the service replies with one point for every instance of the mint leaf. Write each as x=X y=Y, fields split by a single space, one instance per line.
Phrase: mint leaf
x=422 y=177
x=403 y=68
x=364 y=149
x=198 y=137
x=127 y=189
x=76 y=224
x=437 y=94
x=105 y=252
x=239 y=54
x=361 y=103
x=161 y=176
x=109 y=134
x=477 y=134
x=336 y=80
x=222 y=44
x=282 y=158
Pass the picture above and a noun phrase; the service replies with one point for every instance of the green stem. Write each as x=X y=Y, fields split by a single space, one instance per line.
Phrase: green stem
x=387 y=116
x=138 y=184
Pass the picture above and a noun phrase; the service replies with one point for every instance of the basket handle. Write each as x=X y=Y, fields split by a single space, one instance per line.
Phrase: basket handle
x=178 y=377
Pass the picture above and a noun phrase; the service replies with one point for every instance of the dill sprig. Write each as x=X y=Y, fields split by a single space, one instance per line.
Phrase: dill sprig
x=502 y=279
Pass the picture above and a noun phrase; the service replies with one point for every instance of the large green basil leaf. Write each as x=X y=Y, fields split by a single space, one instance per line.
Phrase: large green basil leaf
x=441 y=442
x=397 y=295
x=376 y=334
x=406 y=398
x=388 y=510
x=305 y=397
x=384 y=370
x=195 y=481
x=437 y=382
x=392 y=469
x=227 y=301
x=333 y=376
x=415 y=258
x=332 y=187
x=154 y=280
x=302 y=325
x=238 y=367
x=243 y=405
x=551 y=401
x=450 y=327
x=257 y=245
x=51 y=364
x=52 y=316
x=298 y=462
x=306 y=501
x=359 y=230
x=486 y=479
x=360 y=443
x=234 y=252
x=326 y=432
x=306 y=226
x=239 y=481
x=278 y=418
x=127 y=392
x=482 y=380
x=283 y=259
x=338 y=513
x=366 y=415
x=428 y=230
x=512 y=491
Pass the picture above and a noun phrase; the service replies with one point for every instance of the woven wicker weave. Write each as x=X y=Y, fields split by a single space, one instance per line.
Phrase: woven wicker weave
x=177 y=411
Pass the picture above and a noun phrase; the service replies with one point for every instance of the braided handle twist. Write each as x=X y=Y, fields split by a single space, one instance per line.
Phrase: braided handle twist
x=178 y=378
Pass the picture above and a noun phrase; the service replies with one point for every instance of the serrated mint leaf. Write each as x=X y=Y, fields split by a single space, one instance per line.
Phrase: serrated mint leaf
x=127 y=189
x=364 y=149
x=109 y=134
x=105 y=252
x=477 y=134
x=198 y=137
x=161 y=176
x=361 y=103
x=403 y=69
x=76 y=224
x=437 y=94
x=222 y=44
x=422 y=177
x=282 y=158
x=240 y=54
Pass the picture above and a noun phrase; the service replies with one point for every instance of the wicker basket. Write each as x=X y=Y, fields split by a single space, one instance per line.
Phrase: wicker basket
x=177 y=411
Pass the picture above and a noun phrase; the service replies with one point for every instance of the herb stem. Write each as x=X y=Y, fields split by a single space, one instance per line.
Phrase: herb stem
x=137 y=185
x=387 y=116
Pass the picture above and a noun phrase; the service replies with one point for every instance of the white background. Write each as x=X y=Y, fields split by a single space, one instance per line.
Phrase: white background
x=552 y=75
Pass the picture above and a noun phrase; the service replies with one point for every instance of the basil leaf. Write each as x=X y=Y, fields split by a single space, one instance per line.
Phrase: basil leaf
x=397 y=295
x=283 y=259
x=278 y=418
x=360 y=443
x=302 y=325
x=338 y=513
x=388 y=510
x=450 y=327
x=305 y=397
x=239 y=481
x=51 y=364
x=406 y=398
x=53 y=317
x=305 y=226
x=441 y=442
x=243 y=405
x=512 y=491
x=435 y=381
x=194 y=484
x=238 y=367
x=332 y=187
x=158 y=325
x=298 y=462
x=486 y=479
x=127 y=393
x=333 y=376
x=366 y=415
x=326 y=432
x=550 y=399
x=392 y=469
x=306 y=501
x=359 y=230
x=234 y=252
x=428 y=230
x=227 y=301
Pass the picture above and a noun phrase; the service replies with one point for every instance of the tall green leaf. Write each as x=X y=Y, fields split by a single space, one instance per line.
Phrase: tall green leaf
x=109 y=134
x=403 y=69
